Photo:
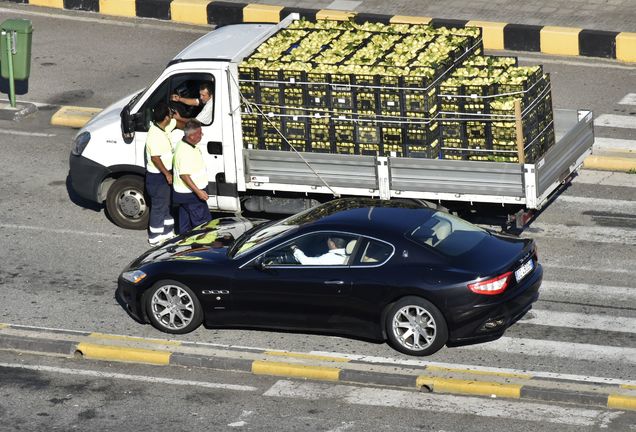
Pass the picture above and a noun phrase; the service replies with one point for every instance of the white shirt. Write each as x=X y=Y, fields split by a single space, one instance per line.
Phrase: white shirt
x=205 y=115
x=333 y=257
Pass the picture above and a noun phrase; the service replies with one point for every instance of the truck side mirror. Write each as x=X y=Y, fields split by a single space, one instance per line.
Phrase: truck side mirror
x=127 y=125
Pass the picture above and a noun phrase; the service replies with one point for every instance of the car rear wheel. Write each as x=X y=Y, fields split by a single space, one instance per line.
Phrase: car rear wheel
x=415 y=326
x=173 y=307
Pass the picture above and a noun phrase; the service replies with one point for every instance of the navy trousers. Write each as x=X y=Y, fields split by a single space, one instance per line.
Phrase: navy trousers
x=159 y=193
x=192 y=211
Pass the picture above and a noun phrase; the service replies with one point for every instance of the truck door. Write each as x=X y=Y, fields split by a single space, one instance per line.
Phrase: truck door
x=188 y=85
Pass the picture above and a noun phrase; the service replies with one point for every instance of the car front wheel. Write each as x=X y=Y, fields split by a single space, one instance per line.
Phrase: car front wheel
x=415 y=326
x=173 y=307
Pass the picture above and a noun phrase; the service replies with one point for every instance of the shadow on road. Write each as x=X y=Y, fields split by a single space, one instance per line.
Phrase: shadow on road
x=78 y=200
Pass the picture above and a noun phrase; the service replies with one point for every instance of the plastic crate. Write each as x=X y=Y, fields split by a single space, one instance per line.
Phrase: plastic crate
x=345 y=147
x=319 y=130
x=296 y=128
x=370 y=149
x=368 y=133
x=299 y=144
x=343 y=131
x=320 y=147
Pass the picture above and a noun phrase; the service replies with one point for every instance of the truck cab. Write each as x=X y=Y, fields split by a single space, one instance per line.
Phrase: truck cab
x=107 y=162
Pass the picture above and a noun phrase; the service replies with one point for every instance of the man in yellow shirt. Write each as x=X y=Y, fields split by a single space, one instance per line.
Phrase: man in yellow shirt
x=190 y=179
x=159 y=153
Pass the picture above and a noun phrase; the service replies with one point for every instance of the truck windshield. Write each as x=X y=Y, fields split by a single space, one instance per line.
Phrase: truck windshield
x=448 y=234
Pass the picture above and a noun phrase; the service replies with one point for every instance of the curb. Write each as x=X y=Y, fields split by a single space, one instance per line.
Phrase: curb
x=429 y=378
x=77 y=117
x=552 y=40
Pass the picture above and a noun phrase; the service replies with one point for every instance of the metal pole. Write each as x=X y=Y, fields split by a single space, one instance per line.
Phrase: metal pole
x=10 y=49
x=519 y=129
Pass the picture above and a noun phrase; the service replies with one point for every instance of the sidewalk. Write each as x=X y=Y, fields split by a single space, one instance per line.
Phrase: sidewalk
x=416 y=373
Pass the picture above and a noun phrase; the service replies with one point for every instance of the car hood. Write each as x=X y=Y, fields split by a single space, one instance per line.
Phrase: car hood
x=208 y=242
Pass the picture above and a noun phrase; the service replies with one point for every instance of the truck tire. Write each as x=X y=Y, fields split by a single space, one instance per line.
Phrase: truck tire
x=126 y=204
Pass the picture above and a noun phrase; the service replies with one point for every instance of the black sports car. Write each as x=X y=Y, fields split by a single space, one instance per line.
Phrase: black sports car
x=376 y=270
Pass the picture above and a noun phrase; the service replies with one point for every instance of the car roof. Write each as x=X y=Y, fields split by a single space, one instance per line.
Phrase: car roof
x=366 y=216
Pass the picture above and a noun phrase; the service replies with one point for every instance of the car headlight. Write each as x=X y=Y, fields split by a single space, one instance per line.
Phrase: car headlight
x=80 y=142
x=133 y=276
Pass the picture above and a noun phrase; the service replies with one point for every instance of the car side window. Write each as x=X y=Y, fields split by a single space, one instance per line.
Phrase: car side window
x=374 y=253
x=319 y=249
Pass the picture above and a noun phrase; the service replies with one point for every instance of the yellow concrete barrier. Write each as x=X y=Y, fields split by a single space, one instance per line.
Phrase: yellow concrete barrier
x=482 y=388
x=263 y=367
x=336 y=15
x=560 y=40
x=610 y=163
x=73 y=116
x=492 y=33
x=48 y=3
x=626 y=47
x=406 y=19
x=125 y=8
x=190 y=11
x=261 y=13
x=621 y=402
x=123 y=354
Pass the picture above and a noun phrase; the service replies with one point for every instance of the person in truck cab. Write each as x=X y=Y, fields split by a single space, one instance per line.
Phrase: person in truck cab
x=336 y=254
x=204 y=100
x=159 y=153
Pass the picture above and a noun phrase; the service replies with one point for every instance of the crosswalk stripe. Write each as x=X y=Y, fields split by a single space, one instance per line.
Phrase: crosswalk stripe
x=629 y=99
x=613 y=144
x=560 y=349
x=460 y=405
x=616 y=121
x=554 y=290
x=598 y=203
x=580 y=321
x=581 y=233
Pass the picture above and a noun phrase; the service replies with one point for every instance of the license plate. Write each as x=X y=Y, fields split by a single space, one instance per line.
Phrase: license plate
x=522 y=271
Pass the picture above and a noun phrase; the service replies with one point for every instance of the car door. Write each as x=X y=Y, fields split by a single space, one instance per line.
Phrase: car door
x=274 y=290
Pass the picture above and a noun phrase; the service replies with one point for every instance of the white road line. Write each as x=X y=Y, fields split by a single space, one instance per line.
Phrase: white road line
x=589 y=269
x=553 y=290
x=559 y=349
x=58 y=231
x=37 y=104
x=142 y=378
x=613 y=144
x=598 y=204
x=461 y=405
x=597 y=234
x=16 y=132
x=616 y=121
x=423 y=363
x=580 y=321
x=629 y=99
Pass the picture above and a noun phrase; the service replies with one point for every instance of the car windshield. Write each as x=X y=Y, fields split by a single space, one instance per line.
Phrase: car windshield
x=448 y=234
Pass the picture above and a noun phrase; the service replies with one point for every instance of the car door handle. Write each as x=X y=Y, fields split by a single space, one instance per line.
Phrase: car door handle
x=334 y=282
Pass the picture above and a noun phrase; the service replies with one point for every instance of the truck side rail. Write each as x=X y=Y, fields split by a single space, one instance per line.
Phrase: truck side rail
x=286 y=168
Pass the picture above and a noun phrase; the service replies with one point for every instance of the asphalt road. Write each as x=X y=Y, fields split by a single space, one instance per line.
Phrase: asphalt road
x=59 y=257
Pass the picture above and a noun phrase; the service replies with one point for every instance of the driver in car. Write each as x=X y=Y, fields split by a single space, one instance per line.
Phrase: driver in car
x=335 y=256
x=204 y=99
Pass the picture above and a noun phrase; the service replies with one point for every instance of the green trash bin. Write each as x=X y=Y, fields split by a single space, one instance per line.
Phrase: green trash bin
x=23 y=30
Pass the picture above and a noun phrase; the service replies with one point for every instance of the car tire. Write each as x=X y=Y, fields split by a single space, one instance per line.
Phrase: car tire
x=126 y=204
x=184 y=313
x=416 y=327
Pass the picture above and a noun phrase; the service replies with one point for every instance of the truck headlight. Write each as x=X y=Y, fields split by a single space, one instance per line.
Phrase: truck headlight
x=134 y=276
x=80 y=142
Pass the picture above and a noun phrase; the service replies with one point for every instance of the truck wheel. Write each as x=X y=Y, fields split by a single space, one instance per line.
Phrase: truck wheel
x=126 y=204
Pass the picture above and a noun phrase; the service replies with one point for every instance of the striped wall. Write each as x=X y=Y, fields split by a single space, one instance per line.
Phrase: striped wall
x=565 y=41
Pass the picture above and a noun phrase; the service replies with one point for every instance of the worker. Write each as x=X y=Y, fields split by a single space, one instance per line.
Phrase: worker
x=190 y=179
x=204 y=100
x=159 y=153
x=335 y=255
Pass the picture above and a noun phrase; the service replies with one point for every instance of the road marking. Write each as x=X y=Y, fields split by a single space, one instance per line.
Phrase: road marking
x=559 y=349
x=581 y=233
x=580 y=321
x=142 y=378
x=616 y=121
x=591 y=62
x=462 y=405
x=598 y=203
x=605 y=178
x=16 y=132
x=629 y=99
x=555 y=290
x=614 y=144
x=138 y=22
x=588 y=268
x=37 y=104
x=58 y=231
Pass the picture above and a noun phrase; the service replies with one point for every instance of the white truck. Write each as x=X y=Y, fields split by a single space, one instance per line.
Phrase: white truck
x=107 y=157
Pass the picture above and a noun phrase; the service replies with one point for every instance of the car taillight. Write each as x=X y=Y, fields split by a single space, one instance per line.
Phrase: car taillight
x=493 y=286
